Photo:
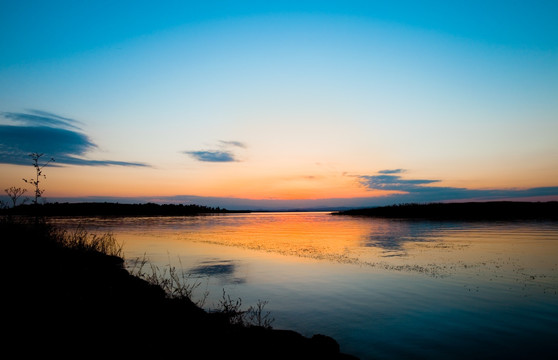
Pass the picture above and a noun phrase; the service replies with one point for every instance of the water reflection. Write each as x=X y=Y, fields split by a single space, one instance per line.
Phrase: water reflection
x=425 y=247
x=382 y=288
x=393 y=235
x=223 y=270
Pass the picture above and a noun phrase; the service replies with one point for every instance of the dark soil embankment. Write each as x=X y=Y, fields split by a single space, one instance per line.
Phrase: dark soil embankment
x=74 y=304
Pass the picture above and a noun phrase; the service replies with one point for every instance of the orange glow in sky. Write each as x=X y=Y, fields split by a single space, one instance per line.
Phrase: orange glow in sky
x=367 y=103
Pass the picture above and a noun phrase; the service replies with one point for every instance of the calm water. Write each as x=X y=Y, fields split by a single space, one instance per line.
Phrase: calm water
x=384 y=289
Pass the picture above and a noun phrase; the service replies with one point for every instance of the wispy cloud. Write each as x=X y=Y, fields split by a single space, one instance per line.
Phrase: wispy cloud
x=387 y=181
x=55 y=136
x=233 y=143
x=418 y=190
x=223 y=154
x=394 y=171
x=211 y=156
x=41 y=118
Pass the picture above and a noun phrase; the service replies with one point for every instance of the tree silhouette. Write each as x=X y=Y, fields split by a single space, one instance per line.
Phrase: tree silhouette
x=35 y=157
x=15 y=193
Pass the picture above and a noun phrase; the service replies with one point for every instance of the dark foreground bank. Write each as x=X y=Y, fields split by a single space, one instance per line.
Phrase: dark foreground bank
x=72 y=302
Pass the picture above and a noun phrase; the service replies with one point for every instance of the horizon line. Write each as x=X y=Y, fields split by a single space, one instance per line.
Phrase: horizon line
x=324 y=204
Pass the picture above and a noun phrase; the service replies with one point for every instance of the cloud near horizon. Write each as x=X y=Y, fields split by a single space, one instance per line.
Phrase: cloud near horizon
x=55 y=136
x=416 y=190
x=385 y=181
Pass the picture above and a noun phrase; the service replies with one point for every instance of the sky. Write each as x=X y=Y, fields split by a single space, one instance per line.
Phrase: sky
x=281 y=104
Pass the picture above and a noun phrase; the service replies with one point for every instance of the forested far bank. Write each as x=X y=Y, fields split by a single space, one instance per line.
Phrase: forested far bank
x=498 y=210
x=112 y=209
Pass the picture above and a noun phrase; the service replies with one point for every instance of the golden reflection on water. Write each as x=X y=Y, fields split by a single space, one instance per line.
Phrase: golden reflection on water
x=291 y=235
x=488 y=251
x=436 y=249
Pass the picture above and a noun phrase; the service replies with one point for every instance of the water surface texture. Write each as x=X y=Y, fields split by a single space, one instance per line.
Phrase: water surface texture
x=384 y=289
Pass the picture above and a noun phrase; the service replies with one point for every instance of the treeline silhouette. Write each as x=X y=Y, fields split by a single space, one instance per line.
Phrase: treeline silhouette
x=113 y=209
x=497 y=210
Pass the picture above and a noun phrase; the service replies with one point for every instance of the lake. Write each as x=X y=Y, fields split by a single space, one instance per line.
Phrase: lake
x=383 y=288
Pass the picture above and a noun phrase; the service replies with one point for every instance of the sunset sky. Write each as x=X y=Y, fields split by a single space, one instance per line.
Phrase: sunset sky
x=281 y=104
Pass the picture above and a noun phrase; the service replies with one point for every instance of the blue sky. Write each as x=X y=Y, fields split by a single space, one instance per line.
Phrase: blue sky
x=364 y=102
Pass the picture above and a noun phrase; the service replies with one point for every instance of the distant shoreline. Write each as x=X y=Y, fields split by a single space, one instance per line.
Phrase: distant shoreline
x=497 y=210
x=491 y=210
x=115 y=209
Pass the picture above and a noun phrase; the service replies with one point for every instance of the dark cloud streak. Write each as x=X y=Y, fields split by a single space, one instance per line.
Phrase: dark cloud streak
x=415 y=190
x=41 y=118
x=50 y=134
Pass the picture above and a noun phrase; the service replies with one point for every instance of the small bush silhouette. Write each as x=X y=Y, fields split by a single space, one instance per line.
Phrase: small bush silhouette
x=35 y=157
x=15 y=193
